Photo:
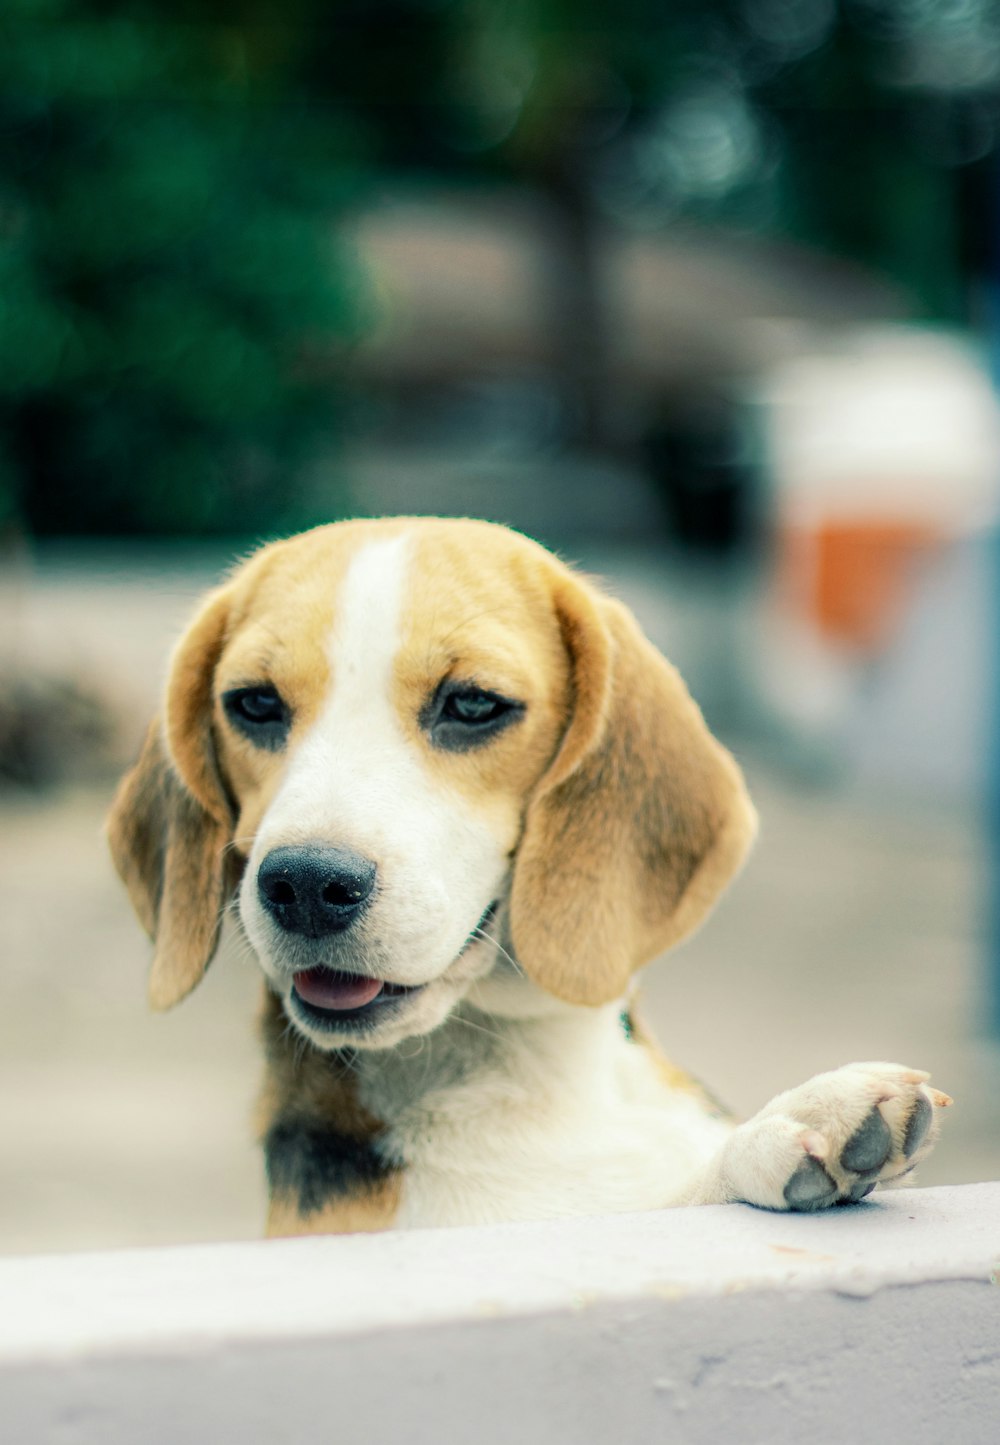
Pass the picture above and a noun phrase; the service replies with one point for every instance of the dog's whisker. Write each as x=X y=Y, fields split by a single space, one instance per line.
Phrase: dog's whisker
x=419 y=1044
x=479 y=1028
x=486 y=938
x=348 y=1061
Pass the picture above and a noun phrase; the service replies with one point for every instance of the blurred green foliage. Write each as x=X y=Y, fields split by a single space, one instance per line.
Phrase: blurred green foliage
x=171 y=284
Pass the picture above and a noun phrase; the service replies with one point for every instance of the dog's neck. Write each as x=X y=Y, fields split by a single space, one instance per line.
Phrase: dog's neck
x=507 y=1050
x=517 y=1055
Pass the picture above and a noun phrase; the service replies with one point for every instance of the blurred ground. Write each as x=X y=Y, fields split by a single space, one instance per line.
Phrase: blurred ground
x=856 y=932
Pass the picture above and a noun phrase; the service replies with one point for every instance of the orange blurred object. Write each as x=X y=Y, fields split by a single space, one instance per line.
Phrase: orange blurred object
x=854 y=577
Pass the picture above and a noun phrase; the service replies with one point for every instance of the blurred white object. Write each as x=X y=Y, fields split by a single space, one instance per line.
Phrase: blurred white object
x=889 y=422
x=883 y=452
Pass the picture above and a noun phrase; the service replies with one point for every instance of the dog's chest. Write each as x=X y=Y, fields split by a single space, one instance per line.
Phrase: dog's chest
x=533 y=1122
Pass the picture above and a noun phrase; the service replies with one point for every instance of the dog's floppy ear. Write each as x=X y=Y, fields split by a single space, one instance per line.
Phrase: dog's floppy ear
x=639 y=823
x=171 y=821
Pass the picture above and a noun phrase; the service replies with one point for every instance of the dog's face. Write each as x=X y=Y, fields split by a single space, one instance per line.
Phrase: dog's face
x=381 y=716
x=403 y=744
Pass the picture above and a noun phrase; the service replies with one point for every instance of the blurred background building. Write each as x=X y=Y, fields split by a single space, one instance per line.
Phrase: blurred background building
x=700 y=292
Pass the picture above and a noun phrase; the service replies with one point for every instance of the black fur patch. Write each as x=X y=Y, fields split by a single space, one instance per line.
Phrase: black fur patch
x=314 y=1164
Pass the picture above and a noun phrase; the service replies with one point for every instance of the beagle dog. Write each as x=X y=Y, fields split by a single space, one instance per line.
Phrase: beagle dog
x=456 y=800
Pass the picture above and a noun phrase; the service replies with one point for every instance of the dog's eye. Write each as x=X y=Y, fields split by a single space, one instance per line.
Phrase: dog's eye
x=260 y=712
x=473 y=707
x=257 y=705
x=463 y=717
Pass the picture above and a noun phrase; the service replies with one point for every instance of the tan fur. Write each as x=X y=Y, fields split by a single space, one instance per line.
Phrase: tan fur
x=197 y=789
x=369 y=1213
x=171 y=854
x=639 y=824
x=641 y=818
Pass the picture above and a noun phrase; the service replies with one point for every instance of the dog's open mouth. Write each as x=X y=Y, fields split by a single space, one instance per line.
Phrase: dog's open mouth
x=331 y=997
x=343 y=996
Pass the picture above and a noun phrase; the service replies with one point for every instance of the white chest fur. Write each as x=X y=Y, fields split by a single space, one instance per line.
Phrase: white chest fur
x=500 y=1118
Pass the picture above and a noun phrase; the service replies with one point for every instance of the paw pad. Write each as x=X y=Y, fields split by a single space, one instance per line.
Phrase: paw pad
x=810 y=1187
x=868 y=1148
x=860 y=1189
x=917 y=1125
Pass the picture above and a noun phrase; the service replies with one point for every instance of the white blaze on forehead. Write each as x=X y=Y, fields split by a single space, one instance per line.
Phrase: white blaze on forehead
x=357 y=744
x=366 y=632
x=338 y=787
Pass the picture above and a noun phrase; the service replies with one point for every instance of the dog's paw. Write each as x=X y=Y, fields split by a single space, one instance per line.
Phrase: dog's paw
x=834 y=1138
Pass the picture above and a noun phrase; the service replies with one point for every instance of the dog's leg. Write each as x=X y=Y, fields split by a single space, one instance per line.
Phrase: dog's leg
x=830 y=1141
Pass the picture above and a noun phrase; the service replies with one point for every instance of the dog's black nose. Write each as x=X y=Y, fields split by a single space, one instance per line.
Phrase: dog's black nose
x=313 y=889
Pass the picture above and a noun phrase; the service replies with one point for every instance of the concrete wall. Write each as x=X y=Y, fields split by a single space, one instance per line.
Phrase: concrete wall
x=878 y=1322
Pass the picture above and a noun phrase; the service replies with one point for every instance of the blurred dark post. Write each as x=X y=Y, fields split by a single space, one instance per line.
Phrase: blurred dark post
x=578 y=321
x=993 y=799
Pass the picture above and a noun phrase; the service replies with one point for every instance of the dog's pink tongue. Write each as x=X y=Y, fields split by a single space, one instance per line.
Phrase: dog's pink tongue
x=325 y=988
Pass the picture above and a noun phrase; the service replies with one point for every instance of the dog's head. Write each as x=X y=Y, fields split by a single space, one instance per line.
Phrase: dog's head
x=412 y=748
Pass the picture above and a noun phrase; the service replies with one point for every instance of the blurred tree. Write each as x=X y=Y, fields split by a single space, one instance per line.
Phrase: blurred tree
x=860 y=127
x=173 y=292
x=849 y=124
x=171 y=287
x=844 y=123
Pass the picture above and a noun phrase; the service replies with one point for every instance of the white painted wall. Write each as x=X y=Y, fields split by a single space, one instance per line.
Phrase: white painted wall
x=874 y=1323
